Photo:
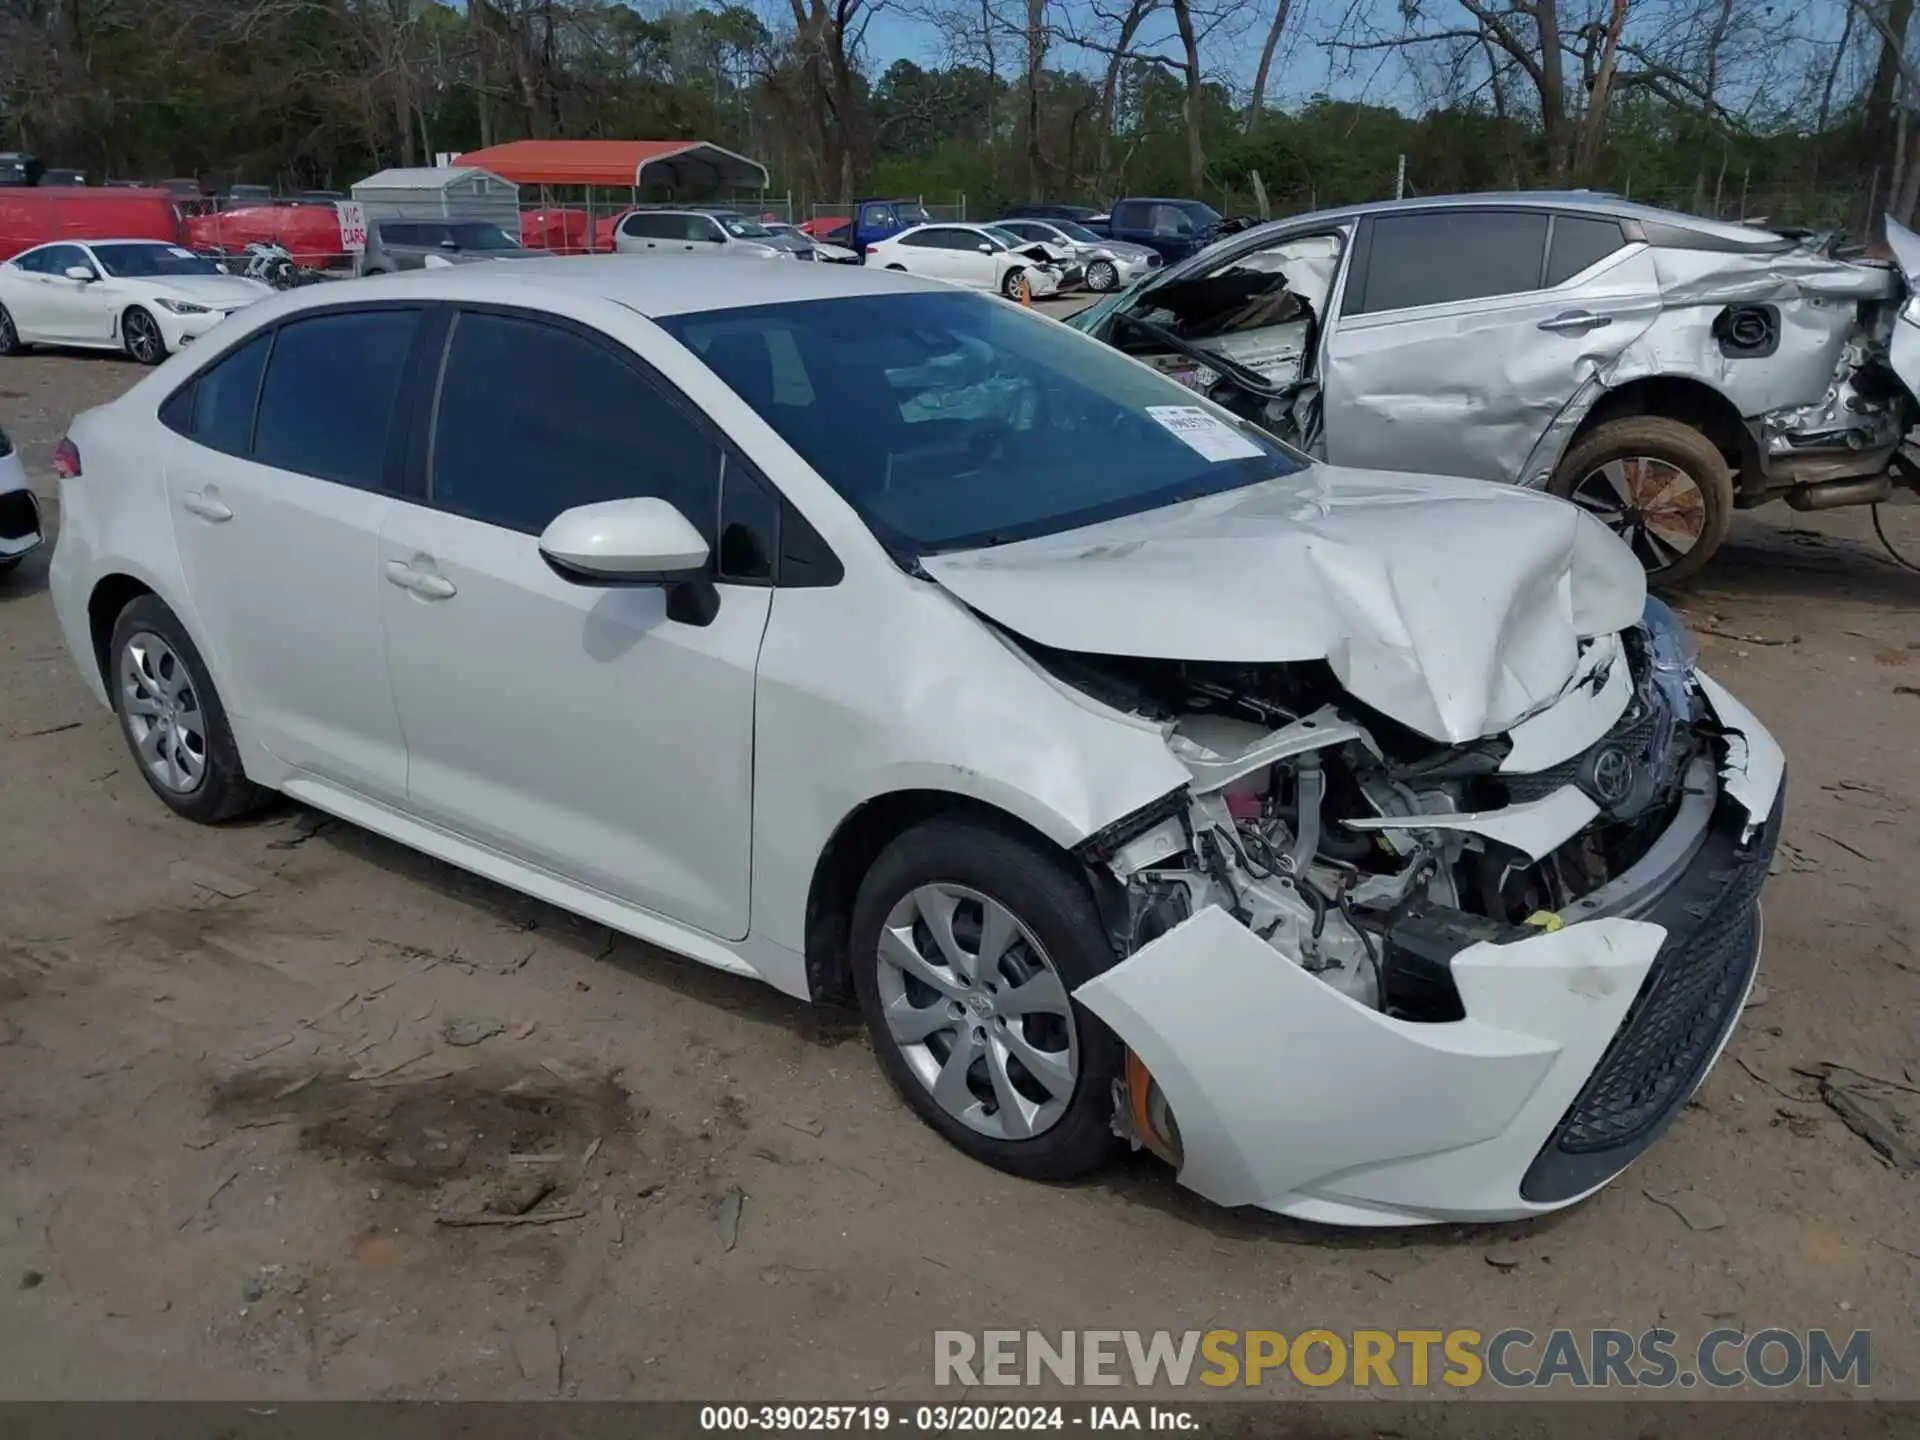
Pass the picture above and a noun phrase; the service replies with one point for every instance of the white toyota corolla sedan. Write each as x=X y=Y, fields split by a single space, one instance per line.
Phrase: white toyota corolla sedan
x=1366 y=845
x=145 y=297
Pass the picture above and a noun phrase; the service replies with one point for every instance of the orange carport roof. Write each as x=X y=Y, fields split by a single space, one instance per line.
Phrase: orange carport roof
x=674 y=163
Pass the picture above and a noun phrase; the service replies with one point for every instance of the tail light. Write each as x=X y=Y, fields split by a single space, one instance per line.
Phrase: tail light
x=873 y=249
x=66 y=460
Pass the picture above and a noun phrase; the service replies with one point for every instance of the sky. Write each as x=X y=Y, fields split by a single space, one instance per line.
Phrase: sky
x=1304 y=65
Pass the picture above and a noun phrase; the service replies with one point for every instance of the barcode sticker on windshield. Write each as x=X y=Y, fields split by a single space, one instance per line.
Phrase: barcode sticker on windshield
x=1211 y=437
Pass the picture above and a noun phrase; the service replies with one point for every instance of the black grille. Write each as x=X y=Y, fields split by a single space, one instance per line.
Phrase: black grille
x=1687 y=1003
x=1637 y=731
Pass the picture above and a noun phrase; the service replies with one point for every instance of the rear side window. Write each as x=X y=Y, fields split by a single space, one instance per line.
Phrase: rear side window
x=1128 y=215
x=223 y=397
x=1580 y=241
x=534 y=419
x=651 y=227
x=1435 y=258
x=328 y=400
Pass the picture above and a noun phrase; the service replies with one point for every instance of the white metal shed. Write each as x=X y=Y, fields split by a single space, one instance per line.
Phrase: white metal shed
x=448 y=192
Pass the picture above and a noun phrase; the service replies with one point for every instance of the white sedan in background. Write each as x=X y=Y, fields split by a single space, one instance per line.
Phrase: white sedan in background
x=146 y=297
x=1364 y=844
x=981 y=257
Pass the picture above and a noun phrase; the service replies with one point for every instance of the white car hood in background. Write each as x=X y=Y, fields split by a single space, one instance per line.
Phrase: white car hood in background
x=1453 y=606
x=220 y=292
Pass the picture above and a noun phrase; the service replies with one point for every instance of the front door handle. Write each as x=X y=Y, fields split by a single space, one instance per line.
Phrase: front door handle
x=425 y=584
x=1575 y=322
x=206 y=507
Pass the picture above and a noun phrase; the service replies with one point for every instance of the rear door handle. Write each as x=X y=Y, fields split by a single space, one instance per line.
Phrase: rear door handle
x=425 y=584
x=206 y=507
x=1575 y=322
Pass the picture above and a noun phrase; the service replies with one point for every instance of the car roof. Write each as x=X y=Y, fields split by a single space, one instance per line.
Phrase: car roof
x=651 y=285
x=1592 y=202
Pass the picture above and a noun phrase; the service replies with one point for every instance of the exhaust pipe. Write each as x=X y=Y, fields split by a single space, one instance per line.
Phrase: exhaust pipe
x=1833 y=494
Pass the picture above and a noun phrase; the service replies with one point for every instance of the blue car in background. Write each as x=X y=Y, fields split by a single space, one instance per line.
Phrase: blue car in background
x=1176 y=228
x=875 y=220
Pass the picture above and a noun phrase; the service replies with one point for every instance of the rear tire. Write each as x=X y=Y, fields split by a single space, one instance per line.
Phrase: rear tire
x=1659 y=484
x=172 y=717
x=1051 y=1119
x=9 y=335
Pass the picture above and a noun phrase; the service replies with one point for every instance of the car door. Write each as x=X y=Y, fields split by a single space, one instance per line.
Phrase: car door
x=1461 y=334
x=706 y=236
x=25 y=292
x=76 y=311
x=278 y=487
x=584 y=730
x=966 y=263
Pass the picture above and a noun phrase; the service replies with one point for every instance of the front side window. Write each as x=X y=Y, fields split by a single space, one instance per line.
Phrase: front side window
x=152 y=261
x=951 y=421
x=62 y=258
x=1437 y=257
x=475 y=235
x=535 y=419
x=704 y=228
x=404 y=233
x=327 y=404
x=879 y=215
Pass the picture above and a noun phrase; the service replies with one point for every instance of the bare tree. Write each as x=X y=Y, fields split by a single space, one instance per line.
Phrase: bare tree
x=1282 y=9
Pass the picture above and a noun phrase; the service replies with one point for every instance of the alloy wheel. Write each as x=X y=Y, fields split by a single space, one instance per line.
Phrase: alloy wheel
x=1101 y=276
x=1652 y=504
x=143 y=337
x=9 y=337
x=162 y=713
x=978 y=1011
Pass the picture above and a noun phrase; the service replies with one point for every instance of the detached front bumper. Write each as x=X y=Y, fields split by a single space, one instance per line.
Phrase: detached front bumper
x=1578 y=1046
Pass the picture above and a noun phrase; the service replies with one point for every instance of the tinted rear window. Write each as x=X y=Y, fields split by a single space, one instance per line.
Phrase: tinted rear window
x=1434 y=258
x=223 y=398
x=329 y=395
x=1580 y=241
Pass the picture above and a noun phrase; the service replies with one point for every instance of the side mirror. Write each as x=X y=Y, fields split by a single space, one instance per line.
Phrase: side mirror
x=644 y=541
x=449 y=244
x=79 y=272
x=985 y=249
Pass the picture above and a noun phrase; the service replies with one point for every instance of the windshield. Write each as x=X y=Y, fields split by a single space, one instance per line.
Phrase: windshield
x=743 y=227
x=1205 y=217
x=951 y=420
x=1007 y=237
x=470 y=235
x=137 y=261
x=911 y=212
x=1078 y=233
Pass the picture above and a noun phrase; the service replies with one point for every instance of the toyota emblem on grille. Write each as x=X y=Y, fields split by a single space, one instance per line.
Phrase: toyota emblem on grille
x=1612 y=775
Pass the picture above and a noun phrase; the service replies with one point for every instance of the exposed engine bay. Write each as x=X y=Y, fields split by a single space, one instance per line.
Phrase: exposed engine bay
x=1365 y=851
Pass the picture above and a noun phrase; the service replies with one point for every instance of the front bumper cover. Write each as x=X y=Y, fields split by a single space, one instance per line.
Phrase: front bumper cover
x=1577 y=1048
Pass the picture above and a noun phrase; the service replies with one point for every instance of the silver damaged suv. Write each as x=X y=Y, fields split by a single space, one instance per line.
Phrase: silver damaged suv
x=1659 y=369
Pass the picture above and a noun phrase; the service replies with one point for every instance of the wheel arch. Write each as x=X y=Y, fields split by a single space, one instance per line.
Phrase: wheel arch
x=1689 y=401
x=856 y=842
x=111 y=594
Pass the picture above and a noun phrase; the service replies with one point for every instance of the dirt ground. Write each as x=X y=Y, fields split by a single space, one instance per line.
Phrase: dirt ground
x=232 y=1108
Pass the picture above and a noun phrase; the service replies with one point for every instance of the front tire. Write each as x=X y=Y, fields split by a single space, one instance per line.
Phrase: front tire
x=1102 y=276
x=1015 y=286
x=967 y=941
x=1660 y=485
x=172 y=717
x=140 y=333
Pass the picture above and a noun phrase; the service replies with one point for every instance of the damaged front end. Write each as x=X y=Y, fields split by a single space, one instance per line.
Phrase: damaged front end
x=1368 y=978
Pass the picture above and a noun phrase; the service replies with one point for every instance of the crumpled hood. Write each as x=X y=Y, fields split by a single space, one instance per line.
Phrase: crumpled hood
x=1453 y=606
